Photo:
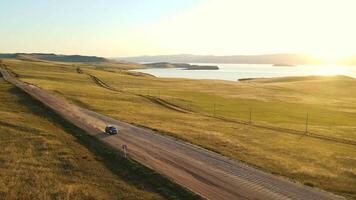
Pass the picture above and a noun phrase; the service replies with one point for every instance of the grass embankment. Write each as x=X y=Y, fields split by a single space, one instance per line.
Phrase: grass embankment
x=330 y=102
x=44 y=157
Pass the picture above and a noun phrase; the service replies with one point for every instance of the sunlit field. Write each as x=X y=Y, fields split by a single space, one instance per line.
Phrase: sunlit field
x=268 y=123
x=44 y=157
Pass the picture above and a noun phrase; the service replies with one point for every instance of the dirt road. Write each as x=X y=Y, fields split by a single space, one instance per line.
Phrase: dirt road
x=204 y=172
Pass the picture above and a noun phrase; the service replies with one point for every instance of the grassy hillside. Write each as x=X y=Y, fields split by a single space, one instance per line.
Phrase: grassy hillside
x=41 y=59
x=216 y=115
x=44 y=157
x=54 y=57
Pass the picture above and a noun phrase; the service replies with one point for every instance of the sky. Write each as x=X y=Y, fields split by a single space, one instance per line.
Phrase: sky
x=113 y=28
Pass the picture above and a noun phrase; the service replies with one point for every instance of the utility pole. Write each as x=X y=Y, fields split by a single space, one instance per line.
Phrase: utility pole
x=214 y=109
x=250 y=121
x=306 y=123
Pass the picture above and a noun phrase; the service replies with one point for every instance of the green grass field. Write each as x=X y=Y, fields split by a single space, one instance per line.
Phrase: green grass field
x=282 y=102
x=44 y=157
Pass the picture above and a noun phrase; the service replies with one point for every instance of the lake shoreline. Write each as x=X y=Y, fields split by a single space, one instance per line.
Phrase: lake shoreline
x=234 y=72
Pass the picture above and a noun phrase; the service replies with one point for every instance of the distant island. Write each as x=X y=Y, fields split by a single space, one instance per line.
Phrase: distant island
x=202 y=67
x=184 y=66
x=283 y=65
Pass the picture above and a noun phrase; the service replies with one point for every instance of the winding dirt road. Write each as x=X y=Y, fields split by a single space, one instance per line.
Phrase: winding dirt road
x=204 y=172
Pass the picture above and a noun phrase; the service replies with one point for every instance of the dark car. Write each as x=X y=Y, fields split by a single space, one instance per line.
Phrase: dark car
x=111 y=130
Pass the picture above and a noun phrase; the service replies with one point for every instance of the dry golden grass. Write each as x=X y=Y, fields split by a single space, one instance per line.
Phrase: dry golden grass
x=44 y=157
x=281 y=102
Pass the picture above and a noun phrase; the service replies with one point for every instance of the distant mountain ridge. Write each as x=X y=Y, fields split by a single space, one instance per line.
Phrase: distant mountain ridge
x=288 y=59
x=53 y=57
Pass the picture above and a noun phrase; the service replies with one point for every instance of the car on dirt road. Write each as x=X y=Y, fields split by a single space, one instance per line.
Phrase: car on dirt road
x=110 y=130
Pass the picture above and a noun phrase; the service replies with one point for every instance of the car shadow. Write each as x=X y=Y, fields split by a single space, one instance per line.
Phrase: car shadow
x=102 y=135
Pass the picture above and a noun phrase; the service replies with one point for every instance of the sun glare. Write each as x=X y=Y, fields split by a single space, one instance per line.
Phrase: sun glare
x=328 y=69
x=329 y=59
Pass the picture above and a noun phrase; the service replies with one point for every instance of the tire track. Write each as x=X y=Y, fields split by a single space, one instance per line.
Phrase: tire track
x=153 y=99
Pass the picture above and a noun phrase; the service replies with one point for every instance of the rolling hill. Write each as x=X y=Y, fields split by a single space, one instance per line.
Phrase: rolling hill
x=54 y=57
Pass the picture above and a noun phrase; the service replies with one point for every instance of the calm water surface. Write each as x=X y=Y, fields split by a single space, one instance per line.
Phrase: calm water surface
x=233 y=72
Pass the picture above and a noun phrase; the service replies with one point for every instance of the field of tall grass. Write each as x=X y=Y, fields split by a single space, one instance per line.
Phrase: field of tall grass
x=44 y=157
x=213 y=111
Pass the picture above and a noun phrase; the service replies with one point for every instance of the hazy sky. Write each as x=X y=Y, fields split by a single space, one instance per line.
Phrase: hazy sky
x=137 y=27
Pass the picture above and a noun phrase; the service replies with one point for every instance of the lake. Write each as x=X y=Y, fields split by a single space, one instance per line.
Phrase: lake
x=233 y=72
